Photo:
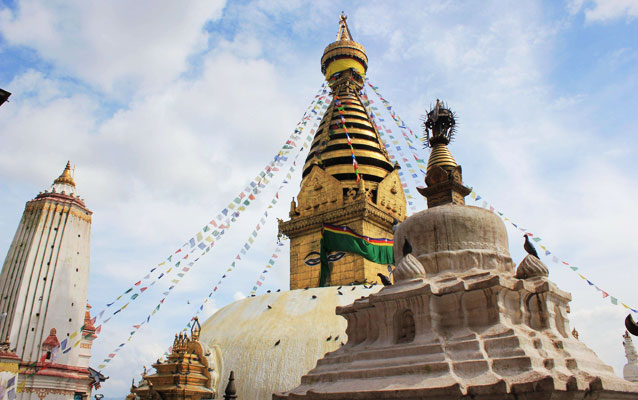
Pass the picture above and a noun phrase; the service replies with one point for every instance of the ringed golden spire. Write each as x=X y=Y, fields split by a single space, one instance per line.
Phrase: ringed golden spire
x=66 y=176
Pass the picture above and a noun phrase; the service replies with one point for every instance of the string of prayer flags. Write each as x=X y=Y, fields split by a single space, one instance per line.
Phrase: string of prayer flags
x=200 y=241
x=546 y=252
x=281 y=160
x=270 y=264
x=399 y=122
x=246 y=247
x=421 y=165
x=340 y=110
x=391 y=150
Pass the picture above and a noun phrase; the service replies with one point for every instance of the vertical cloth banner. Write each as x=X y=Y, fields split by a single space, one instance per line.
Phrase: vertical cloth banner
x=342 y=238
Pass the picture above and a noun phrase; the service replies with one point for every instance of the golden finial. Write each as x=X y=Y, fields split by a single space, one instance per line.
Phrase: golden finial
x=66 y=177
x=344 y=32
x=439 y=130
x=195 y=329
x=344 y=53
x=575 y=333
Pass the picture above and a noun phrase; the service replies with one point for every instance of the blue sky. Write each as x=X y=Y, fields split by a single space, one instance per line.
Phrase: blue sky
x=168 y=111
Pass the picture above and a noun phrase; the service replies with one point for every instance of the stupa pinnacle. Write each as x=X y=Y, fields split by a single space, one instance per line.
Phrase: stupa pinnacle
x=66 y=177
x=344 y=64
x=348 y=178
x=443 y=176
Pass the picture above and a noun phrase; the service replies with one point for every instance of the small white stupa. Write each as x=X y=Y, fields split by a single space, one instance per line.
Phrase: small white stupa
x=630 y=371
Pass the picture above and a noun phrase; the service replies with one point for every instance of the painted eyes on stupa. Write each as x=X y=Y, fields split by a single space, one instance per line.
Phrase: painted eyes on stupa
x=314 y=258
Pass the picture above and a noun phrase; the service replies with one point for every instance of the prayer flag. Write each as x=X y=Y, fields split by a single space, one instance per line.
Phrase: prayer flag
x=334 y=237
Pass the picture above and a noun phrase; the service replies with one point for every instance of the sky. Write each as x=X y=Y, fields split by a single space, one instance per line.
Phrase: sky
x=167 y=111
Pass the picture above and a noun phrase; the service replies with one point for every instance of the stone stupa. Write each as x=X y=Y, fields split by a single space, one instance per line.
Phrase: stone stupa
x=630 y=370
x=459 y=321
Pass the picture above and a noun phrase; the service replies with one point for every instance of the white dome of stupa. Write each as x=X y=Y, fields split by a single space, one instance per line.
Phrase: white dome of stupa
x=270 y=349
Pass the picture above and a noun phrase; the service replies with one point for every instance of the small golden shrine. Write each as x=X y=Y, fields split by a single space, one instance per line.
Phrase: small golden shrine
x=185 y=374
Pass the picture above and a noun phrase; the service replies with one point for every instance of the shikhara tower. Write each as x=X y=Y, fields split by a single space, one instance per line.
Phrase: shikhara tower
x=368 y=198
x=44 y=288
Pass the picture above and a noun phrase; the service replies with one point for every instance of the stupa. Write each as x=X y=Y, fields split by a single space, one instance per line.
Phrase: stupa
x=630 y=370
x=271 y=340
x=458 y=323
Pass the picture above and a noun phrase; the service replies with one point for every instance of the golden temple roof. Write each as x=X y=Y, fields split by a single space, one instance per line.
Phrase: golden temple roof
x=66 y=177
x=186 y=371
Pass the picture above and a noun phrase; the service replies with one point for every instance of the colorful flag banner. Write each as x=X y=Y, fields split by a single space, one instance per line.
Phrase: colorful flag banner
x=253 y=188
x=395 y=153
x=342 y=238
x=411 y=139
x=340 y=109
x=256 y=185
x=262 y=276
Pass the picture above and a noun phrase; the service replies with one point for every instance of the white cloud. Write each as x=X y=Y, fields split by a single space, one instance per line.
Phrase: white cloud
x=604 y=10
x=105 y=43
x=165 y=163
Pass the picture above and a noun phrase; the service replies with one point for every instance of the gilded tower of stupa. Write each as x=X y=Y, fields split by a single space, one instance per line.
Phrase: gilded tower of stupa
x=348 y=178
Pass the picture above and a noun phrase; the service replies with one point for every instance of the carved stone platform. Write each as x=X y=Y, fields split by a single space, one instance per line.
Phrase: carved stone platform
x=469 y=330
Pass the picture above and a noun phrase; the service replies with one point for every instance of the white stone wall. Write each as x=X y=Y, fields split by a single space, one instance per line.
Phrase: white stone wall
x=44 y=283
x=44 y=280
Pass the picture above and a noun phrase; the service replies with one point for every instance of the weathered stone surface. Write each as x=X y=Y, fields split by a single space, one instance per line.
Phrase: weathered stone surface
x=531 y=267
x=630 y=370
x=453 y=238
x=470 y=329
x=408 y=268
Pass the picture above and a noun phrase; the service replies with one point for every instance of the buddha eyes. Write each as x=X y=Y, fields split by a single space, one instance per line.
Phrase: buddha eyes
x=314 y=258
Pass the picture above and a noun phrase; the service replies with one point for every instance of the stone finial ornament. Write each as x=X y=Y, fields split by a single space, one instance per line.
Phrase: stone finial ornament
x=575 y=333
x=230 y=392
x=531 y=267
x=630 y=371
x=408 y=268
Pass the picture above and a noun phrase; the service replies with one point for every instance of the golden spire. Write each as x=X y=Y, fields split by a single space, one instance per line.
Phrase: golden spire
x=443 y=176
x=344 y=32
x=439 y=129
x=66 y=177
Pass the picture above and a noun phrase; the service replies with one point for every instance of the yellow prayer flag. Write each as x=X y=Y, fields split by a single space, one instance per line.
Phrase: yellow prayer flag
x=74 y=334
x=77 y=343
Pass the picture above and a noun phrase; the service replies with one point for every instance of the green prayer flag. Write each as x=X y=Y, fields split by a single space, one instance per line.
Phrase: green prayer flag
x=342 y=238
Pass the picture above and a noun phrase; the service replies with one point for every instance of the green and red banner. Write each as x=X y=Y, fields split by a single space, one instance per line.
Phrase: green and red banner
x=342 y=238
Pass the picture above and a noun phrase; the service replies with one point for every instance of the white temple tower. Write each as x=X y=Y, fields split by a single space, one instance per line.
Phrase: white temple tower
x=43 y=293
